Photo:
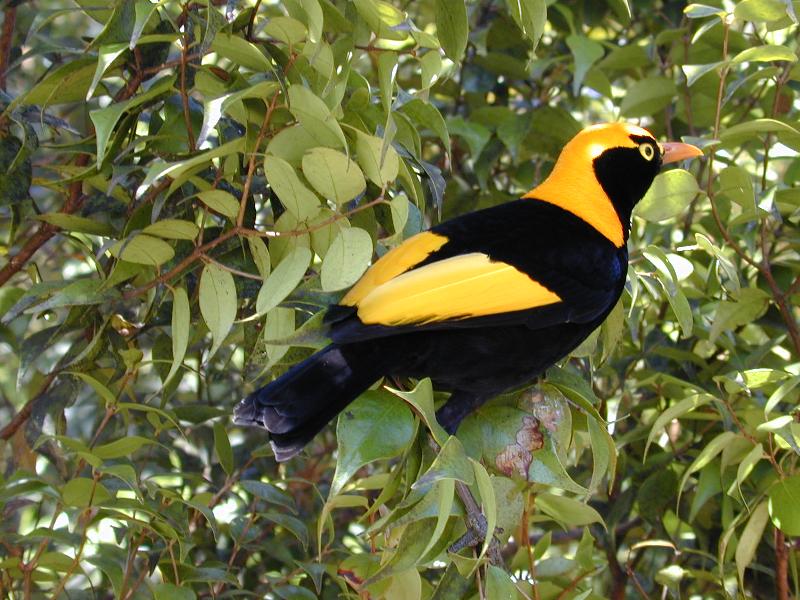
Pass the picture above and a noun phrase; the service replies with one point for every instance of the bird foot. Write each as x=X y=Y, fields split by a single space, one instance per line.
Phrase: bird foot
x=476 y=529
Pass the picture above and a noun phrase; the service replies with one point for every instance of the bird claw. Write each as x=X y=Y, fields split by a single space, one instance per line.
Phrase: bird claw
x=476 y=534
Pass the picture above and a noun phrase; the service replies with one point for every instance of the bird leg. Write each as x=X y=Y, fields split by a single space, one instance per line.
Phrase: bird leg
x=459 y=405
x=476 y=527
x=475 y=521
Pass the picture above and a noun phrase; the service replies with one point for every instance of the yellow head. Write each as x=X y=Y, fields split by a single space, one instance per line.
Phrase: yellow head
x=604 y=171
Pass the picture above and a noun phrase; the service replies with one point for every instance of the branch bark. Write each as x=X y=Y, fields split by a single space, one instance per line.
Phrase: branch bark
x=781 y=566
x=6 y=39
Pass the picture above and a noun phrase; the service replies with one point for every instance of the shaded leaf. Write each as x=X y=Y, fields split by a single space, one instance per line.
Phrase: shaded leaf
x=217 y=303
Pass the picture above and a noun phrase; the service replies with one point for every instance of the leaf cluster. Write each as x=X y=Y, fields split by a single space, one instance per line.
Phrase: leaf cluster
x=185 y=186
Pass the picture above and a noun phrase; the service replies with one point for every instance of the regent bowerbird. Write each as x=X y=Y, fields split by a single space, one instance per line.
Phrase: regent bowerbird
x=482 y=303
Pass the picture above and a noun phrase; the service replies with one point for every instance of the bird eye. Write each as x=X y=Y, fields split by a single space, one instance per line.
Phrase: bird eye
x=648 y=151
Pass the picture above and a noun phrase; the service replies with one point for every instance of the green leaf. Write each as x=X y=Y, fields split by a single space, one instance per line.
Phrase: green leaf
x=144 y=9
x=780 y=393
x=291 y=144
x=270 y=493
x=749 y=305
x=237 y=49
x=767 y=53
x=178 y=170
x=695 y=72
x=324 y=229
x=387 y=71
x=784 y=498
x=567 y=511
x=451 y=463
x=760 y=11
x=279 y=325
x=315 y=116
x=143 y=249
x=221 y=202
x=285 y=29
x=474 y=134
x=314 y=19
x=293 y=194
x=670 y=193
x=214 y=108
x=452 y=27
x=260 y=254
x=105 y=119
x=488 y=502
x=122 y=447
x=409 y=551
x=283 y=279
x=666 y=276
x=77 y=224
x=750 y=539
x=105 y=56
x=181 y=321
x=701 y=11
x=381 y=170
x=377 y=425
x=707 y=454
x=675 y=411
x=499 y=584
x=427 y=116
x=333 y=174
x=746 y=467
x=576 y=389
x=64 y=84
x=173 y=229
x=751 y=129
x=737 y=185
x=223 y=447
x=170 y=591
x=430 y=67
x=399 y=206
x=346 y=260
x=648 y=96
x=604 y=454
x=421 y=399
x=382 y=18
x=446 y=492
x=218 y=303
x=530 y=16
x=83 y=492
x=101 y=390
x=585 y=52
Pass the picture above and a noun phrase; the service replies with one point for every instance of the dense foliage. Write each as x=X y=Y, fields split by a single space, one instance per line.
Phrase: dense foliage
x=186 y=185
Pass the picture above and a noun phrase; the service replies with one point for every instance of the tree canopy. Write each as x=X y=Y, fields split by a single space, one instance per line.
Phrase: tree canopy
x=185 y=186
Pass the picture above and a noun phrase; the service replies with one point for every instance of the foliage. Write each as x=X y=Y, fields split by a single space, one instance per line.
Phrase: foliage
x=185 y=186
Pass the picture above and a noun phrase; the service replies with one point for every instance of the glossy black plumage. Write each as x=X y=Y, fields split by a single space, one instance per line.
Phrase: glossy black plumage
x=474 y=357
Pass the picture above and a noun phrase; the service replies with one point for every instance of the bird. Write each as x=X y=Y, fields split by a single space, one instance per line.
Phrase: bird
x=482 y=303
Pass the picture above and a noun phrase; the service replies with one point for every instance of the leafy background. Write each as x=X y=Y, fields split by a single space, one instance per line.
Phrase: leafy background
x=186 y=185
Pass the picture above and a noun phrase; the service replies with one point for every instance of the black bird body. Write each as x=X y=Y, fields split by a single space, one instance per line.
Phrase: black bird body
x=482 y=303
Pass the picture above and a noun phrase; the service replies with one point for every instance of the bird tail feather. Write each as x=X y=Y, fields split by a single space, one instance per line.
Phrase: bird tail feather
x=297 y=405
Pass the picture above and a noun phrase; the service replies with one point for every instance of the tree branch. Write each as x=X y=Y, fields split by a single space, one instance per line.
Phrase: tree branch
x=781 y=567
x=6 y=39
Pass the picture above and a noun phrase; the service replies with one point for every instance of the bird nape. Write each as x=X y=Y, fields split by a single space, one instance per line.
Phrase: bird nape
x=482 y=303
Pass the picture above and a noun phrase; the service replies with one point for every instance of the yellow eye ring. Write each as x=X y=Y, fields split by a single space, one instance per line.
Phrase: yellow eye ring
x=647 y=151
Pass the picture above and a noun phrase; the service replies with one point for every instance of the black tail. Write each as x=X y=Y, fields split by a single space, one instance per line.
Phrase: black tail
x=297 y=405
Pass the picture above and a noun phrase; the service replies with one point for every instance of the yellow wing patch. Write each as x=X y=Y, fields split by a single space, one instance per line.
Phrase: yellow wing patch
x=398 y=260
x=469 y=285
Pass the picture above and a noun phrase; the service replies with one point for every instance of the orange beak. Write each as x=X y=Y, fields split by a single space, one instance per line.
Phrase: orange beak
x=675 y=151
